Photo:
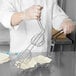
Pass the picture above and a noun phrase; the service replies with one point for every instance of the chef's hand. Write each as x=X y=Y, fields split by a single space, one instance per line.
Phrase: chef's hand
x=67 y=26
x=34 y=12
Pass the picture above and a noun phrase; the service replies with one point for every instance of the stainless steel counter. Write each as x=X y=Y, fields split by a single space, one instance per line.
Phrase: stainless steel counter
x=64 y=65
x=8 y=70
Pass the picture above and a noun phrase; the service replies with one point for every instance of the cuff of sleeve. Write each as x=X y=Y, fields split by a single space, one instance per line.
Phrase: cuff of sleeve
x=58 y=21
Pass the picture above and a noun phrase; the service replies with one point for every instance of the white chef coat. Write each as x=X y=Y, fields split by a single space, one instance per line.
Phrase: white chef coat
x=20 y=35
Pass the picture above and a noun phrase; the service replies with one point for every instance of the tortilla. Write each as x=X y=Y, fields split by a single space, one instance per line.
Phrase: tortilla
x=4 y=58
x=25 y=65
x=31 y=64
x=42 y=59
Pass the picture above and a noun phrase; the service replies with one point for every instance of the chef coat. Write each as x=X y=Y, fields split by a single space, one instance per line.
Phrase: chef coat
x=20 y=35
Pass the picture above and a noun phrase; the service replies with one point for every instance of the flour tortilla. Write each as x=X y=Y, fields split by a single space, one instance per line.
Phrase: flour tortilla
x=31 y=64
x=42 y=59
x=4 y=58
x=28 y=65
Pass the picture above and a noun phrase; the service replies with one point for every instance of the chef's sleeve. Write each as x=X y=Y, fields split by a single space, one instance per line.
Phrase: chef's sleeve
x=58 y=16
x=7 y=9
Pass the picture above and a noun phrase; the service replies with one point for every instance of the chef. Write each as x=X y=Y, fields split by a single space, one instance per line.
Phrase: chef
x=21 y=18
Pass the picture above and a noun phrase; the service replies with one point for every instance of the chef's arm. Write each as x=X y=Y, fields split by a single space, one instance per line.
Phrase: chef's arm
x=61 y=20
x=17 y=18
x=9 y=15
x=33 y=12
